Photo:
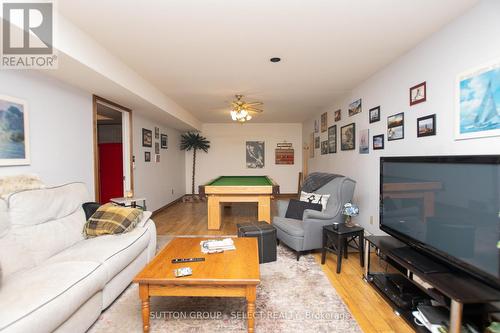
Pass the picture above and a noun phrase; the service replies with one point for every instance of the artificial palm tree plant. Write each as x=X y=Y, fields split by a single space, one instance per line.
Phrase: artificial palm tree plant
x=194 y=141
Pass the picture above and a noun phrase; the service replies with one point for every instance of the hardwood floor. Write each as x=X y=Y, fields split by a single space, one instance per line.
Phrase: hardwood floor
x=369 y=309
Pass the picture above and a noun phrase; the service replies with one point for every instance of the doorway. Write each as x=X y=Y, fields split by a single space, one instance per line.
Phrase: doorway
x=112 y=150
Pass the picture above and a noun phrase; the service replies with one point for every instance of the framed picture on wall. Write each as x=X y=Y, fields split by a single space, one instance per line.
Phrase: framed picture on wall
x=157 y=158
x=348 y=137
x=332 y=139
x=355 y=107
x=311 y=145
x=157 y=148
x=324 y=147
x=395 y=127
x=324 y=122
x=255 y=154
x=316 y=126
x=374 y=114
x=147 y=138
x=477 y=102
x=316 y=142
x=418 y=93
x=164 y=141
x=338 y=115
x=157 y=133
x=147 y=156
x=364 y=141
x=378 y=142
x=14 y=132
x=426 y=126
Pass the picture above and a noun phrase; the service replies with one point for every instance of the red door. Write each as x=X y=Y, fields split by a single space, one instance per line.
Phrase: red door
x=110 y=171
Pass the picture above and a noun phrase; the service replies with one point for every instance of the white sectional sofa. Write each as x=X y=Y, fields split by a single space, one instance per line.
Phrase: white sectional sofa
x=54 y=280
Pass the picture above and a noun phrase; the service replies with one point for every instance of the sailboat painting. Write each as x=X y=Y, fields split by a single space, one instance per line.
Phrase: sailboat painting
x=478 y=113
x=14 y=138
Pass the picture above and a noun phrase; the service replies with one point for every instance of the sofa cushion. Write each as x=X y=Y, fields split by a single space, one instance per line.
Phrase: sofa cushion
x=111 y=219
x=115 y=252
x=40 y=299
x=290 y=226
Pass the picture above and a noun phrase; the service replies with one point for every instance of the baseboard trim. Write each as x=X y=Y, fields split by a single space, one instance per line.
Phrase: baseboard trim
x=159 y=210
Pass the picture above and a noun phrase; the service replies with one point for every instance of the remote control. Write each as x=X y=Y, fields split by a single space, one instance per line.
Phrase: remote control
x=182 y=260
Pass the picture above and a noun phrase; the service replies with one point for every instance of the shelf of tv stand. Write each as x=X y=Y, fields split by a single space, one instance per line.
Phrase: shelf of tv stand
x=450 y=286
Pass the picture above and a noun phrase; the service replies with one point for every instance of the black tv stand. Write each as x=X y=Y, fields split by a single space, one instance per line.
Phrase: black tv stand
x=452 y=289
x=421 y=262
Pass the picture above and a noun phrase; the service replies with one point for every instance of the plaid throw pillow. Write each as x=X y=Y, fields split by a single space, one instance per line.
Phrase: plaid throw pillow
x=110 y=219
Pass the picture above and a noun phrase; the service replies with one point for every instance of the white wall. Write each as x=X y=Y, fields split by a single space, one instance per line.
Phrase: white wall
x=465 y=43
x=60 y=121
x=226 y=156
x=163 y=182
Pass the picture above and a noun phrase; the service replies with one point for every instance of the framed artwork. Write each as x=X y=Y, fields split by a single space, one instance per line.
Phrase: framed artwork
x=14 y=132
x=418 y=93
x=316 y=126
x=255 y=154
x=348 y=137
x=338 y=115
x=157 y=133
x=395 y=127
x=147 y=156
x=378 y=142
x=164 y=141
x=157 y=148
x=426 y=126
x=324 y=122
x=284 y=156
x=311 y=145
x=332 y=139
x=316 y=142
x=157 y=158
x=147 y=138
x=324 y=147
x=364 y=141
x=374 y=114
x=355 y=107
x=478 y=102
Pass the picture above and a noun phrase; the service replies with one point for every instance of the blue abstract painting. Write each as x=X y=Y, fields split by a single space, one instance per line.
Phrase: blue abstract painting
x=13 y=132
x=479 y=103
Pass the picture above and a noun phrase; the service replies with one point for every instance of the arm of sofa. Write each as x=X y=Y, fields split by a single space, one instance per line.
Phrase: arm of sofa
x=282 y=207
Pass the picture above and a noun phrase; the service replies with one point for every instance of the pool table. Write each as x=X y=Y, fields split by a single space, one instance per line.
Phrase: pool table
x=259 y=189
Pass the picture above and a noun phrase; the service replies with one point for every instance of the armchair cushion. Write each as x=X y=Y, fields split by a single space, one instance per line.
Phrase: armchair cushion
x=292 y=227
x=315 y=198
x=296 y=208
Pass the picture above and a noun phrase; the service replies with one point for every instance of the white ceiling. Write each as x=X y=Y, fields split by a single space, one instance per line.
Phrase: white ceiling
x=201 y=53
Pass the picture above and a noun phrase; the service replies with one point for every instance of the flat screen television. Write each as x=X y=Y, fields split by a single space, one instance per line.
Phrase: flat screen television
x=447 y=207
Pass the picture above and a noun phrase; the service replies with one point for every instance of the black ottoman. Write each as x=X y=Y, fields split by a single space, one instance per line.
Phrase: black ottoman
x=266 y=237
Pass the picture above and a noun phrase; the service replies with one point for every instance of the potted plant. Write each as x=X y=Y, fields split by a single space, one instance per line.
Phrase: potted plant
x=195 y=142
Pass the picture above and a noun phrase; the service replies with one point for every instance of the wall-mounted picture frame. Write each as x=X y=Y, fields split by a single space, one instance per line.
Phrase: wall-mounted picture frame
x=157 y=158
x=311 y=145
x=164 y=141
x=418 y=93
x=147 y=156
x=147 y=138
x=337 y=115
x=348 y=137
x=324 y=122
x=364 y=141
x=255 y=154
x=355 y=107
x=332 y=139
x=426 y=126
x=316 y=126
x=395 y=127
x=374 y=114
x=324 y=147
x=14 y=132
x=157 y=148
x=477 y=102
x=157 y=133
x=316 y=142
x=378 y=142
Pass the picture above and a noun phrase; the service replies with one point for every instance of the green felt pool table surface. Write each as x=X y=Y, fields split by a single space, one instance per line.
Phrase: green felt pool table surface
x=241 y=181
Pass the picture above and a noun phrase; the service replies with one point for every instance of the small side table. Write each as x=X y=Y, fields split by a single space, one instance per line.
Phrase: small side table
x=339 y=239
x=130 y=202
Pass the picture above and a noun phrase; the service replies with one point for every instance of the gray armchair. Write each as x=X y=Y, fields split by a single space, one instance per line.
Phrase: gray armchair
x=306 y=234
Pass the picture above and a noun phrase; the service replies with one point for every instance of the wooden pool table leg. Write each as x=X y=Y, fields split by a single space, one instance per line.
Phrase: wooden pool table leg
x=265 y=209
x=214 y=214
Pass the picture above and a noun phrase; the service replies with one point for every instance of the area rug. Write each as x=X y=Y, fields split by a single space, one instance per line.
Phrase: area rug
x=292 y=297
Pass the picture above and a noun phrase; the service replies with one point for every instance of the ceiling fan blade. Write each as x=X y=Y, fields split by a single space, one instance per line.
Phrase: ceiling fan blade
x=253 y=103
x=254 y=110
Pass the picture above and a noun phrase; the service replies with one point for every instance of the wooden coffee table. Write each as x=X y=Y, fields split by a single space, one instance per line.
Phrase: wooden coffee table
x=229 y=274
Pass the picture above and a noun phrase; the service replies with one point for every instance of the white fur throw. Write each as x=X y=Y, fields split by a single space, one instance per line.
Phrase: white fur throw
x=11 y=184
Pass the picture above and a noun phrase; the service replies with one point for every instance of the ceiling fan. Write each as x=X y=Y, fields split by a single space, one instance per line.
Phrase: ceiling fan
x=241 y=110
